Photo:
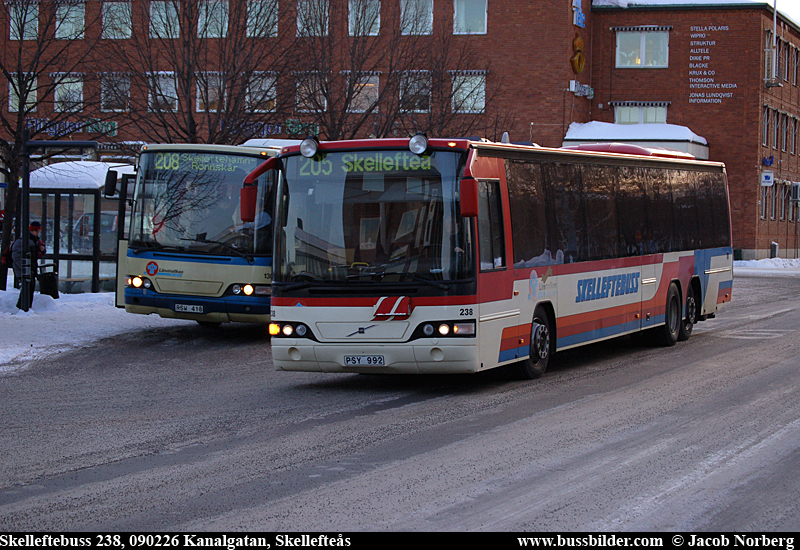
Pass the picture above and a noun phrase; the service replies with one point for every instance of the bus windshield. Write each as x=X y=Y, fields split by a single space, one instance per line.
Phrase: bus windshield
x=190 y=201
x=372 y=216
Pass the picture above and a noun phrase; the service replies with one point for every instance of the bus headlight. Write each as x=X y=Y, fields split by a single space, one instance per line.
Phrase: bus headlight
x=418 y=144
x=444 y=329
x=236 y=289
x=427 y=330
x=301 y=330
x=248 y=290
x=137 y=281
x=309 y=146
x=288 y=330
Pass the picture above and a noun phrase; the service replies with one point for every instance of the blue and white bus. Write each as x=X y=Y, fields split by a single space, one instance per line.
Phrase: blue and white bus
x=188 y=254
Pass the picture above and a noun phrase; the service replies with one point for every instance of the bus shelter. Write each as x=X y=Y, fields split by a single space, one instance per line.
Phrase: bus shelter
x=79 y=223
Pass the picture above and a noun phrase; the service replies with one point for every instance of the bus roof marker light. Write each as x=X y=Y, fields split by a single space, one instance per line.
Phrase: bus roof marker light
x=418 y=144
x=309 y=146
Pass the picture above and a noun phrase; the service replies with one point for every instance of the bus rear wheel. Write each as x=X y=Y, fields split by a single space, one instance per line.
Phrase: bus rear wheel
x=672 y=317
x=540 y=350
x=687 y=324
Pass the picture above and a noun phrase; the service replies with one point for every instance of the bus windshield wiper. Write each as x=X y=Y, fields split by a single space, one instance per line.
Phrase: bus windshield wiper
x=141 y=246
x=201 y=238
x=381 y=274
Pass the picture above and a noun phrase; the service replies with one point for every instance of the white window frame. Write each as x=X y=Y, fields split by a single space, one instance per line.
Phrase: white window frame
x=23 y=20
x=30 y=99
x=117 y=20
x=461 y=25
x=163 y=87
x=212 y=19
x=640 y=114
x=313 y=17
x=468 y=92
x=113 y=88
x=70 y=20
x=416 y=17
x=366 y=91
x=363 y=17
x=164 y=21
x=67 y=92
x=262 y=18
x=265 y=84
x=639 y=62
x=420 y=81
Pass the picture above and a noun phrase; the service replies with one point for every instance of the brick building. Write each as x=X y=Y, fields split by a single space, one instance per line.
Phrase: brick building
x=529 y=68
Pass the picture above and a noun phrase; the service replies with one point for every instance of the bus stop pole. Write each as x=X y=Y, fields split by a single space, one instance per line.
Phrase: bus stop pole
x=24 y=231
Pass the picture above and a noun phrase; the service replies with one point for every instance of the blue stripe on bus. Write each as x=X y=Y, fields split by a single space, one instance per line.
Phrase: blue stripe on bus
x=607 y=332
x=702 y=263
x=726 y=284
x=178 y=257
x=256 y=305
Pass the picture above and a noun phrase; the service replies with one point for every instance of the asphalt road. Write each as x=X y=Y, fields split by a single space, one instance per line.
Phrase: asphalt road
x=190 y=429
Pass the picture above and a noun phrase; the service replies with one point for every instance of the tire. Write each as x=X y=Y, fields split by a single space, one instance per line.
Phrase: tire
x=672 y=317
x=540 y=348
x=687 y=324
x=208 y=324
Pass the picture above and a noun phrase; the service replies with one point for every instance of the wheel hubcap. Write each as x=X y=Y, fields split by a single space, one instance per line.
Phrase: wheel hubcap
x=690 y=310
x=541 y=340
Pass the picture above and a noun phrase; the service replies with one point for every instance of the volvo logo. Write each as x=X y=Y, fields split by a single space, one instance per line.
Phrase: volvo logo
x=361 y=330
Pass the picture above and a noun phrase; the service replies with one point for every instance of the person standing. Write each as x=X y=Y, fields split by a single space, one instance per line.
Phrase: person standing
x=37 y=249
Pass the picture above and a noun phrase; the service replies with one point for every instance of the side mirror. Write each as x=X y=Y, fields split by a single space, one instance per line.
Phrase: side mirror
x=247 y=203
x=110 y=188
x=468 y=197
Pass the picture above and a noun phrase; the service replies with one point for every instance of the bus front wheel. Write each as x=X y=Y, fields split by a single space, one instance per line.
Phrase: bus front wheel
x=540 y=349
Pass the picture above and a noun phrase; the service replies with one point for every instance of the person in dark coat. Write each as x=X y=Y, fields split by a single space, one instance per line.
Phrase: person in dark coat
x=37 y=249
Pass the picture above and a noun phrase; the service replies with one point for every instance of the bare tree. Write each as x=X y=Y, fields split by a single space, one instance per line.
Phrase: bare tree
x=204 y=70
x=47 y=63
x=359 y=75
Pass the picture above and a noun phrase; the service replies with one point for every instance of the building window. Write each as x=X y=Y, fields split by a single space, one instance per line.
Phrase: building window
x=469 y=16
x=262 y=18
x=23 y=20
x=643 y=49
x=365 y=92
x=312 y=17
x=776 y=128
x=70 y=20
x=774 y=200
x=115 y=92
x=262 y=92
x=640 y=114
x=210 y=92
x=416 y=17
x=25 y=88
x=311 y=93
x=786 y=194
x=784 y=131
x=68 y=93
x=787 y=62
x=764 y=200
x=469 y=93
x=163 y=92
x=212 y=19
x=794 y=66
x=415 y=92
x=117 y=20
x=793 y=129
x=164 y=19
x=364 y=17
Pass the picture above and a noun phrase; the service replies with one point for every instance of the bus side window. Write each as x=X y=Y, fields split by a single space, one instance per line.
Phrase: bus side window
x=491 y=241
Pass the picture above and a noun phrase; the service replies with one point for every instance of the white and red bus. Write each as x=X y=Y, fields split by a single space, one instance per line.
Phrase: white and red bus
x=454 y=256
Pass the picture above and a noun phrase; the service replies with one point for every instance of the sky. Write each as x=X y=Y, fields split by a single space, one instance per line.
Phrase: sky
x=76 y=321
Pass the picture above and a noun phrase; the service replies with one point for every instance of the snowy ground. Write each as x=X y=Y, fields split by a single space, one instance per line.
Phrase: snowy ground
x=77 y=320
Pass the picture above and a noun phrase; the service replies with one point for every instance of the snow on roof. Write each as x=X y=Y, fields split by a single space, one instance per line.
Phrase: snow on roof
x=80 y=174
x=605 y=131
x=791 y=14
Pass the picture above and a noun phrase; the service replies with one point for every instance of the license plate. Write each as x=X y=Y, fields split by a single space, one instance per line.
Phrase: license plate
x=363 y=360
x=184 y=308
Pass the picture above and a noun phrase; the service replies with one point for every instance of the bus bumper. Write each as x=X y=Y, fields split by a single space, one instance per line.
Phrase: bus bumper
x=419 y=357
x=224 y=309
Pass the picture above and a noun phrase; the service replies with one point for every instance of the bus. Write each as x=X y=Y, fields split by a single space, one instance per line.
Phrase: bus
x=188 y=254
x=458 y=256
